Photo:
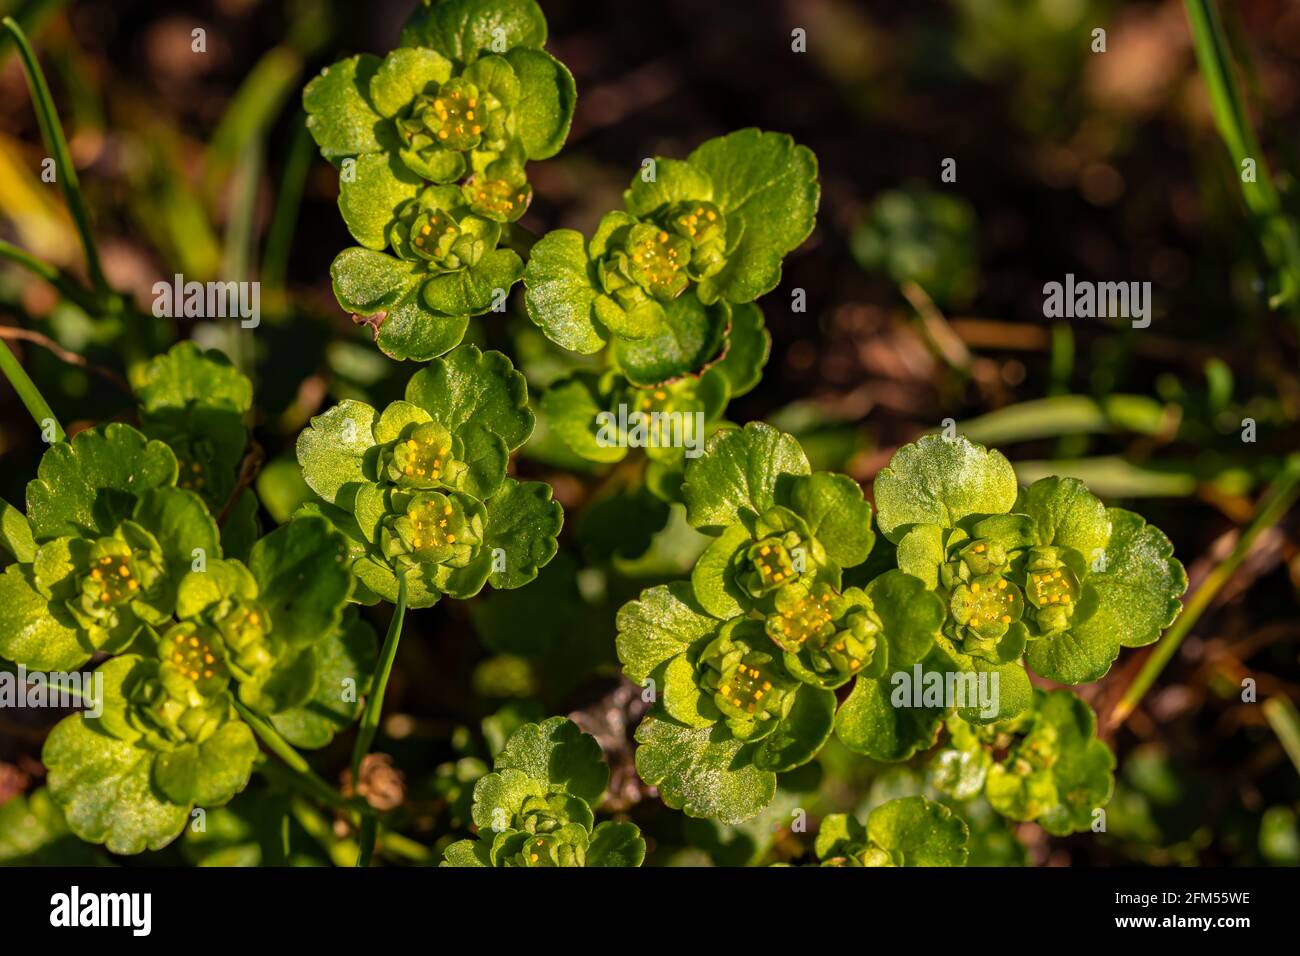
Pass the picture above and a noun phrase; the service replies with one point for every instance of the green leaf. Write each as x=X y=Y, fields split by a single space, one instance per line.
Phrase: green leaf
x=558 y=292
x=16 y=533
x=84 y=488
x=571 y=408
x=470 y=387
x=181 y=523
x=838 y=834
x=467 y=853
x=704 y=772
x=474 y=290
x=368 y=282
x=333 y=450
x=547 y=95
x=189 y=375
x=464 y=29
x=105 y=789
x=404 y=74
x=712 y=579
x=1058 y=773
x=1135 y=598
x=616 y=843
x=225 y=763
x=558 y=753
x=1140 y=588
x=800 y=733
x=940 y=481
x=345 y=662
x=767 y=188
x=869 y=723
x=836 y=513
x=523 y=522
x=303 y=577
x=747 y=347
x=658 y=626
x=339 y=116
x=33 y=631
x=368 y=200
x=675 y=180
x=910 y=615
x=737 y=477
x=915 y=831
x=690 y=335
x=1066 y=514
x=241 y=527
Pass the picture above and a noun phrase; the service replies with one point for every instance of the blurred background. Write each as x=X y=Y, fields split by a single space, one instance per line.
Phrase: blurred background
x=924 y=302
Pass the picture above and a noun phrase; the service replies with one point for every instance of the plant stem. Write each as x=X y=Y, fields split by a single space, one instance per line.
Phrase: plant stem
x=279 y=235
x=1277 y=232
x=1271 y=508
x=31 y=395
x=375 y=702
x=52 y=132
x=1282 y=716
x=62 y=283
x=297 y=772
x=366 y=850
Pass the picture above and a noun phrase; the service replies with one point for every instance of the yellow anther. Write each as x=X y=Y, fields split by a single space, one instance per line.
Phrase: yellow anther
x=124 y=571
x=975 y=587
x=1006 y=618
x=1002 y=585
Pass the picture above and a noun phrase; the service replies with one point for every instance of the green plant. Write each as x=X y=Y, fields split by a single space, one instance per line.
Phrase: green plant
x=535 y=808
x=974 y=579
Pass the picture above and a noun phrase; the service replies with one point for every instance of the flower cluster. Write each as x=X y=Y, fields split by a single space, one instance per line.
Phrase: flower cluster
x=420 y=489
x=432 y=142
x=536 y=809
x=795 y=597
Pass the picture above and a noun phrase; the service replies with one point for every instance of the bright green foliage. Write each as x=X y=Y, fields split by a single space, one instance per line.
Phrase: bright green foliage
x=421 y=489
x=196 y=402
x=1047 y=573
x=1045 y=765
x=536 y=808
x=909 y=831
x=124 y=562
x=432 y=142
x=656 y=280
x=744 y=659
x=747 y=655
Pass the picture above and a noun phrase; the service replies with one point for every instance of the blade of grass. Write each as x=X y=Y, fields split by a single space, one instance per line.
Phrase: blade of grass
x=279 y=235
x=27 y=391
x=52 y=132
x=1284 y=720
x=1277 y=233
x=304 y=778
x=239 y=239
x=1271 y=508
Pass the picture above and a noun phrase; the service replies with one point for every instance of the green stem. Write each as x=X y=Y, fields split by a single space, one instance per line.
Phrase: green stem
x=52 y=132
x=302 y=777
x=1278 y=234
x=366 y=850
x=375 y=702
x=31 y=395
x=1284 y=720
x=237 y=254
x=62 y=283
x=1271 y=508
x=279 y=235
